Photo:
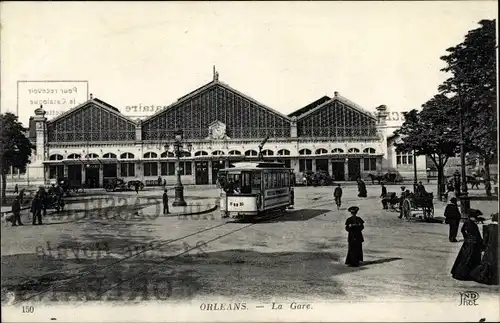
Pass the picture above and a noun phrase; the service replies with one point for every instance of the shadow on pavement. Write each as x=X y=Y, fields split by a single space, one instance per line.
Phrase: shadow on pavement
x=379 y=261
x=298 y=215
x=235 y=274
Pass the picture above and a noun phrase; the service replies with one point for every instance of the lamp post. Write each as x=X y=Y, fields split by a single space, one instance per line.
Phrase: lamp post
x=179 y=188
x=464 y=195
x=414 y=172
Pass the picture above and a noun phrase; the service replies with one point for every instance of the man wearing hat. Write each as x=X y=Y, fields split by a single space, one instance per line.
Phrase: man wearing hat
x=401 y=199
x=16 y=212
x=452 y=218
x=354 y=226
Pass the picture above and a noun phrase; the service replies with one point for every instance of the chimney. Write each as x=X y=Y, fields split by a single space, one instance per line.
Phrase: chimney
x=336 y=93
x=91 y=96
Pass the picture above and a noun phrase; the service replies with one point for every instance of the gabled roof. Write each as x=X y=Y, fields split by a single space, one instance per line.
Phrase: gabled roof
x=101 y=104
x=209 y=86
x=309 y=107
x=343 y=100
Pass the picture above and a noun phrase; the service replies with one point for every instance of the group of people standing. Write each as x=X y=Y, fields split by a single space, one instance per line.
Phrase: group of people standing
x=38 y=204
x=477 y=259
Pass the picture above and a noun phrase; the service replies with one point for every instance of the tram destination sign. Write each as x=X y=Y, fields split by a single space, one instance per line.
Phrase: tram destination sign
x=56 y=97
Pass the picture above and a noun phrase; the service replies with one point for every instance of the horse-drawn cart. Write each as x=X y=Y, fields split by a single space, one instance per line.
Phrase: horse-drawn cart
x=418 y=205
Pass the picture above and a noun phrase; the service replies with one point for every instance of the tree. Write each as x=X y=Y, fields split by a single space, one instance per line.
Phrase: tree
x=430 y=132
x=473 y=80
x=15 y=147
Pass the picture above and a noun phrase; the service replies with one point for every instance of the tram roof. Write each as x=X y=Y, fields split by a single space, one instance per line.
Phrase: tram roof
x=256 y=165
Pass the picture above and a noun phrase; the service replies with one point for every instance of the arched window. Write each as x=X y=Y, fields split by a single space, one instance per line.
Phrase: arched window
x=74 y=156
x=337 y=151
x=218 y=153
x=284 y=152
x=150 y=155
x=92 y=155
x=305 y=152
x=251 y=153
x=127 y=156
x=56 y=157
x=321 y=151
x=369 y=151
x=109 y=155
x=201 y=153
x=234 y=152
x=353 y=150
x=185 y=153
x=167 y=154
x=267 y=152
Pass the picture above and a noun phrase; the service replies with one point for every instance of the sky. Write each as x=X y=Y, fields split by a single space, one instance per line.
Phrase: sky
x=283 y=54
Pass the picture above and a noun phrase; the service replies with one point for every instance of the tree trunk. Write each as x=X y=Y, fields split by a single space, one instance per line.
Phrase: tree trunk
x=3 y=188
x=487 y=183
x=440 y=185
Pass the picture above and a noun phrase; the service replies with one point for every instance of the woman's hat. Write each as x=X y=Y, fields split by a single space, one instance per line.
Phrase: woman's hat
x=353 y=209
x=453 y=200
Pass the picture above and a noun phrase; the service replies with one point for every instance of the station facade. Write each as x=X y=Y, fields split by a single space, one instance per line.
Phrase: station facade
x=94 y=142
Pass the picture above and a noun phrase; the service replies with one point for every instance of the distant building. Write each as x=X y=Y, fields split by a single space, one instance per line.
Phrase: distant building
x=94 y=142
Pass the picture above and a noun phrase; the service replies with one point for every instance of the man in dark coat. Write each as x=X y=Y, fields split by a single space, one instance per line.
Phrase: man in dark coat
x=361 y=188
x=16 y=212
x=337 y=195
x=452 y=218
x=16 y=189
x=384 y=197
x=36 y=209
x=354 y=225
x=469 y=256
x=401 y=199
x=165 y=202
x=136 y=187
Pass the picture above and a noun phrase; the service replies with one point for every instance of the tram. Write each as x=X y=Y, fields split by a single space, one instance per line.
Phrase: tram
x=250 y=189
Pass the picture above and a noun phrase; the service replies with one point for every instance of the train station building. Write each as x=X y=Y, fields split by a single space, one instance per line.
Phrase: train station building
x=93 y=142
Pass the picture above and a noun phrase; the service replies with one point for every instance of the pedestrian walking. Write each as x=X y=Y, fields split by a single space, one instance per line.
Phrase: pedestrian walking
x=361 y=188
x=452 y=218
x=165 y=202
x=16 y=189
x=337 y=195
x=384 y=197
x=136 y=188
x=164 y=183
x=354 y=225
x=469 y=256
x=36 y=209
x=16 y=212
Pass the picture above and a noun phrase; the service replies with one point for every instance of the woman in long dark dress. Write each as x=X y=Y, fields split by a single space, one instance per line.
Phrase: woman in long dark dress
x=354 y=225
x=487 y=271
x=361 y=188
x=469 y=256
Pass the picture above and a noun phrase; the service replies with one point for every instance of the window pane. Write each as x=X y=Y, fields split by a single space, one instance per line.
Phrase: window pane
x=410 y=159
x=171 y=168
x=302 y=165
x=366 y=164
x=131 y=169
x=188 y=169
x=309 y=164
x=154 y=169
x=373 y=162
x=164 y=169
x=398 y=160
x=405 y=160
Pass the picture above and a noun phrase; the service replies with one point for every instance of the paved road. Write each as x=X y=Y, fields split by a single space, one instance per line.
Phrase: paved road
x=298 y=256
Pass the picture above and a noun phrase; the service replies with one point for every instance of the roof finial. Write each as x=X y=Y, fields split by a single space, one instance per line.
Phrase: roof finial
x=91 y=96
x=216 y=74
